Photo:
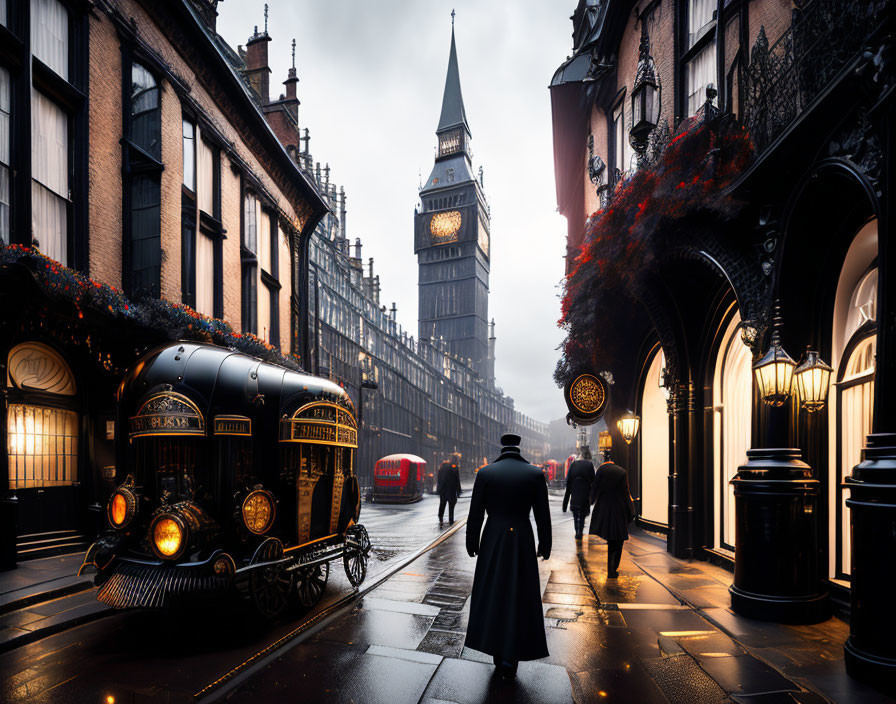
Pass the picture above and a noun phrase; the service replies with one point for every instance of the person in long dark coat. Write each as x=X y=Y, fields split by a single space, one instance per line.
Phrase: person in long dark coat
x=448 y=488
x=613 y=510
x=578 y=490
x=506 y=618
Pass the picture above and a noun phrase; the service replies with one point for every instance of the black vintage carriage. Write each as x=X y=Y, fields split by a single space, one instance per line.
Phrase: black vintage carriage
x=234 y=475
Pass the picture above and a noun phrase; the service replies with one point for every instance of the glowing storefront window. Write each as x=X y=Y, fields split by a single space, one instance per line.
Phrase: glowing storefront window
x=43 y=446
x=733 y=398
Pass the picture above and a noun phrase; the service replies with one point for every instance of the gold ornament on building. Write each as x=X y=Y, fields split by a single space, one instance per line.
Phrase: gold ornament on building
x=587 y=394
x=445 y=226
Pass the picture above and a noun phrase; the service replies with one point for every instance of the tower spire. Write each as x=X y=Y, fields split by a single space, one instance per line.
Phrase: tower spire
x=453 y=113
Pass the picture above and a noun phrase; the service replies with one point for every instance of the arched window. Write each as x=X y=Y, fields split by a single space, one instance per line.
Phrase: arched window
x=142 y=153
x=850 y=400
x=654 y=438
x=41 y=419
x=733 y=402
x=855 y=401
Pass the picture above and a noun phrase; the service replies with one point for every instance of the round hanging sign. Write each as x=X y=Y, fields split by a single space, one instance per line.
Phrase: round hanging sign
x=587 y=397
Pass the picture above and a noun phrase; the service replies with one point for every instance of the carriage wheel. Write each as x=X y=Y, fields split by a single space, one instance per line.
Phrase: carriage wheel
x=269 y=586
x=311 y=583
x=354 y=555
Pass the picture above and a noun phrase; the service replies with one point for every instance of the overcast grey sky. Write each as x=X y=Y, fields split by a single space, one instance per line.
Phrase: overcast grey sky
x=371 y=80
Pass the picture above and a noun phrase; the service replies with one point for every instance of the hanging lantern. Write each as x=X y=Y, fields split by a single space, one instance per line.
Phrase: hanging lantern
x=628 y=426
x=813 y=377
x=774 y=372
x=645 y=96
x=604 y=441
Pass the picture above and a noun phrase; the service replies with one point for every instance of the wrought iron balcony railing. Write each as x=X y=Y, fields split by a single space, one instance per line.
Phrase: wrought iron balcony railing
x=783 y=79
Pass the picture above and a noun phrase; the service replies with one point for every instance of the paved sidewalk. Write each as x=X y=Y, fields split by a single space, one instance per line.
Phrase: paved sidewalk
x=44 y=596
x=660 y=633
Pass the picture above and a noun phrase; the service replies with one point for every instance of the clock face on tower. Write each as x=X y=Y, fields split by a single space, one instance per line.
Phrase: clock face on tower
x=445 y=226
x=483 y=236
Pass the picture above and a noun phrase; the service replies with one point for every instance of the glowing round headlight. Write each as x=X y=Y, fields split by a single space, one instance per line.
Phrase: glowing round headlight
x=168 y=536
x=258 y=511
x=122 y=507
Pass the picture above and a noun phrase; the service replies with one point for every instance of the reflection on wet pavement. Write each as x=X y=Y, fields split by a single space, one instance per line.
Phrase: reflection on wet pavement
x=662 y=632
x=651 y=635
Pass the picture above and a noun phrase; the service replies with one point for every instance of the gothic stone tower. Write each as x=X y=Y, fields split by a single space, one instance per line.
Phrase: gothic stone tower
x=451 y=237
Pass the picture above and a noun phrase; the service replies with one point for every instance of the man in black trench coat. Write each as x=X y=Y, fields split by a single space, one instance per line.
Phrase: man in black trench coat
x=613 y=510
x=578 y=488
x=448 y=488
x=506 y=619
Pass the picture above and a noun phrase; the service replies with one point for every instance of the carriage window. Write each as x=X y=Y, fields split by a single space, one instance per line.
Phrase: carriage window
x=235 y=453
x=304 y=460
x=172 y=465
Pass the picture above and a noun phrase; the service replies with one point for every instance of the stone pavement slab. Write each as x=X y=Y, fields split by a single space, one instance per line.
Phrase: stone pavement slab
x=660 y=633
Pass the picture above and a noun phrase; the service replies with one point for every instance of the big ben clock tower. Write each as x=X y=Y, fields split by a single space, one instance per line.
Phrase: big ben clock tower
x=451 y=237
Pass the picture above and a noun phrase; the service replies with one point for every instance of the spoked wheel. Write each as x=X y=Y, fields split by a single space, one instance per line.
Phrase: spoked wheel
x=311 y=582
x=269 y=586
x=355 y=553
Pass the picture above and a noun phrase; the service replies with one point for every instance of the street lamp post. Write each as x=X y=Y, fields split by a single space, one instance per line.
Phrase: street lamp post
x=777 y=572
x=368 y=381
x=645 y=97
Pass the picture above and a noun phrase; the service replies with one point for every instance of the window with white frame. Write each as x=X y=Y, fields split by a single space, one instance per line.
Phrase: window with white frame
x=623 y=151
x=249 y=259
x=189 y=137
x=700 y=14
x=205 y=237
x=49 y=173
x=43 y=127
x=700 y=73
x=700 y=52
x=49 y=34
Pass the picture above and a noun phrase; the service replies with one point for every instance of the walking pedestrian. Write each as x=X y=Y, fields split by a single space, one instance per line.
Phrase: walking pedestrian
x=448 y=488
x=506 y=618
x=613 y=510
x=578 y=490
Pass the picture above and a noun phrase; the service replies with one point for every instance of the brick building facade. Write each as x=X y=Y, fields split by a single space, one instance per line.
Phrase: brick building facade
x=144 y=198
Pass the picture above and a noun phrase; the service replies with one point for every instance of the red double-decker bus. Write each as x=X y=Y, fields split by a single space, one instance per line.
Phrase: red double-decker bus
x=399 y=478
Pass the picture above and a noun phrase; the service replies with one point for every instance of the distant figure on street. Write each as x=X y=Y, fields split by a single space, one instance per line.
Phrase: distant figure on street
x=506 y=618
x=448 y=488
x=613 y=510
x=578 y=490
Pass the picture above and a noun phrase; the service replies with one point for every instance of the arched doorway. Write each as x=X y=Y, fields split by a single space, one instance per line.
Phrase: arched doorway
x=732 y=406
x=854 y=347
x=654 y=439
x=42 y=423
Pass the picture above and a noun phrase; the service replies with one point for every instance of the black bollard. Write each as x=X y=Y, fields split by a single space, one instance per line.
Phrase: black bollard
x=777 y=570
x=870 y=651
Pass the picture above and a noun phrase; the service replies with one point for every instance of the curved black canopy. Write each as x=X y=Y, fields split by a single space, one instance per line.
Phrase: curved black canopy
x=220 y=381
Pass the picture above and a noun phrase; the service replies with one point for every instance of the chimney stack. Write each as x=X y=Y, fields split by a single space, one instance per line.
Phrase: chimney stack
x=258 y=72
x=291 y=84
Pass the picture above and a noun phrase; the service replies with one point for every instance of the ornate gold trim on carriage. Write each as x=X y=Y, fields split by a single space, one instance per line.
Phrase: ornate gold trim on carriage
x=259 y=500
